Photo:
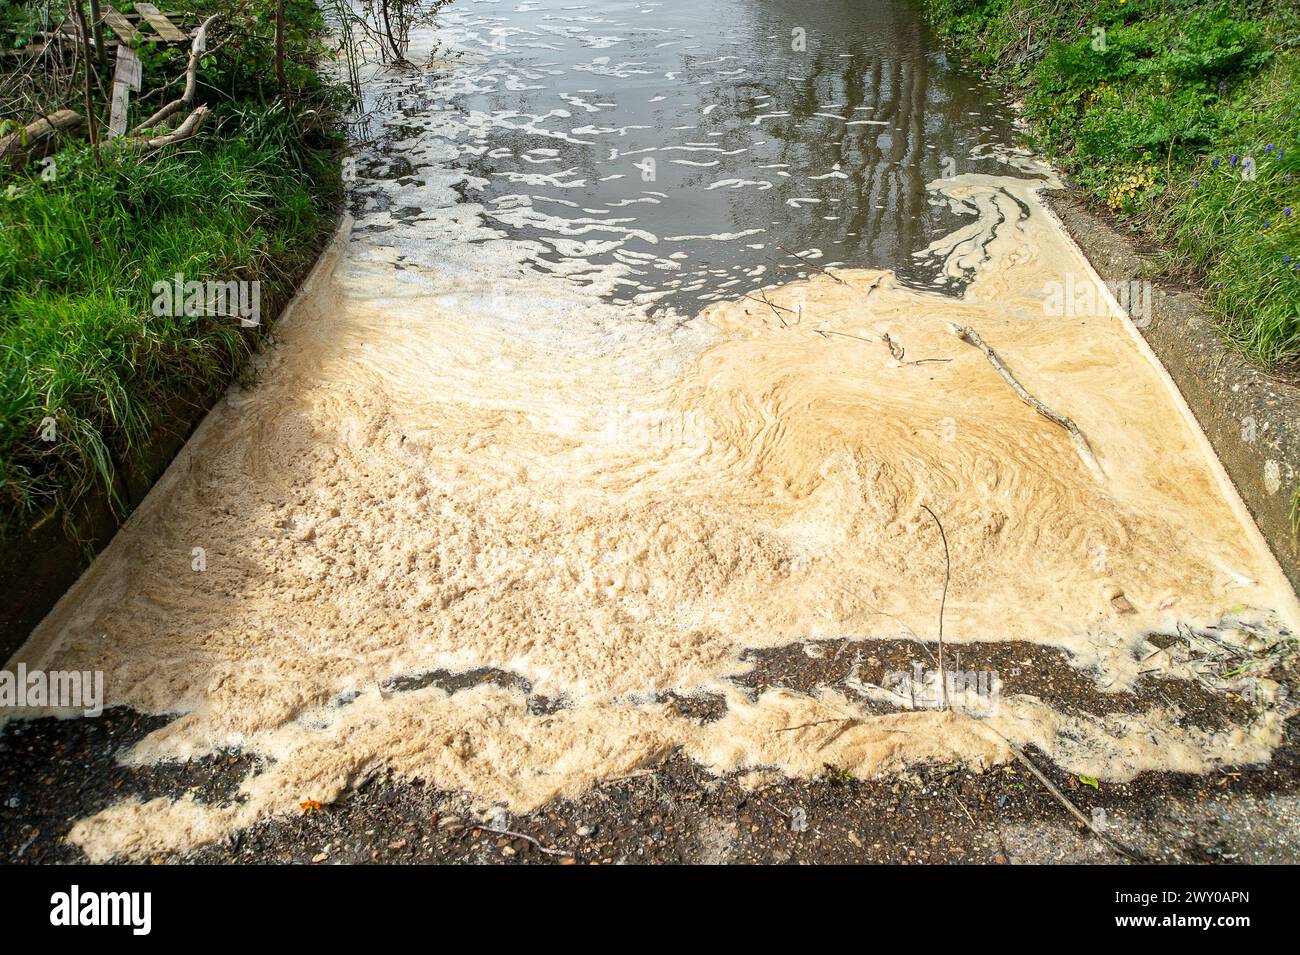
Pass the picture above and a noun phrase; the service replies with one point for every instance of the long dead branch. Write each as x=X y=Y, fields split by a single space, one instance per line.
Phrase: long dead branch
x=197 y=46
x=1081 y=445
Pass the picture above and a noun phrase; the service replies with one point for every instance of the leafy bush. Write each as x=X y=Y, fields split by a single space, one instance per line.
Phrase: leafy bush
x=1158 y=108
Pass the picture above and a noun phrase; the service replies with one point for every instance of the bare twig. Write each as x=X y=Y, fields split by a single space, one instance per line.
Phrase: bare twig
x=964 y=809
x=972 y=337
x=771 y=304
x=943 y=601
x=811 y=264
x=800 y=726
x=844 y=728
x=848 y=723
x=1065 y=801
x=85 y=41
x=526 y=838
x=776 y=309
x=824 y=333
x=897 y=351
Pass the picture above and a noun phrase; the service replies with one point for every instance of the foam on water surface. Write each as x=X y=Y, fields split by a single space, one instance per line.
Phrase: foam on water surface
x=505 y=432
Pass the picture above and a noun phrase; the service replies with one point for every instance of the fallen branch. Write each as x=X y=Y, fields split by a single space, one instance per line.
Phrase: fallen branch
x=1064 y=801
x=184 y=131
x=197 y=46
x=972 y=337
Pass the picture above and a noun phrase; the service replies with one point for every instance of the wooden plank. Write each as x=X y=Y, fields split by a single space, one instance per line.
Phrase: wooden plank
x=67 y=33
x=121 y=26
x=126 y=78
x=158 y=20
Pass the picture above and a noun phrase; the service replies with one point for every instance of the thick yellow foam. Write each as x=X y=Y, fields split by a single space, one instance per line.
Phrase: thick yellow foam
x=500 y=471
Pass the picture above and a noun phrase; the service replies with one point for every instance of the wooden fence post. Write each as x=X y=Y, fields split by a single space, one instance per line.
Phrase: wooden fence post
x=126 y=79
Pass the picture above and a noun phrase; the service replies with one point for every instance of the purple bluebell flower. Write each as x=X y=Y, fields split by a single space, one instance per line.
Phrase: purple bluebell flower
x=1215 y=162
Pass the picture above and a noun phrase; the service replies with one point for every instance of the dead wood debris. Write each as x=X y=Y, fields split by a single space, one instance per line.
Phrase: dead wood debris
x=1081 y=445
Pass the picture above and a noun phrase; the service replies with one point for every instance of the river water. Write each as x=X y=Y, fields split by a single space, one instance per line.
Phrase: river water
x=669 y=151
x=602 y=427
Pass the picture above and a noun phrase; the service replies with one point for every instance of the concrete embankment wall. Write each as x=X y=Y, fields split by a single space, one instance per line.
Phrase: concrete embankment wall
x=39 y=564
x=1251 y=419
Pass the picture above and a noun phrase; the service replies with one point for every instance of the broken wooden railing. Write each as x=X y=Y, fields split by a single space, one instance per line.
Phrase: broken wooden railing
x=125 y=32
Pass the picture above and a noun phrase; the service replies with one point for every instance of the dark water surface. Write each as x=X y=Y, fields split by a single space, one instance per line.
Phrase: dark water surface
x=678 y=152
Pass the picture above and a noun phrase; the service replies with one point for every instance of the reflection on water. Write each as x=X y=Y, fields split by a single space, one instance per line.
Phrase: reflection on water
x=673 y=151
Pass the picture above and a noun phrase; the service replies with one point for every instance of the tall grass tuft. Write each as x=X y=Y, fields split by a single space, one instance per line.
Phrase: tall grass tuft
x=79 y=346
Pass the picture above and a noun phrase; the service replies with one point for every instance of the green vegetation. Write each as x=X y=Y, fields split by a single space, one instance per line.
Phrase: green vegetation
x=251 y=198
x=1181 y=116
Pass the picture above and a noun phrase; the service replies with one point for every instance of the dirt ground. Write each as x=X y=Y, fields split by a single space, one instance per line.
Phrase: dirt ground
x=53 y=772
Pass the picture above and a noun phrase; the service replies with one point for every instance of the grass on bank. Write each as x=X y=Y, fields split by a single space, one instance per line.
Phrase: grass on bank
x=251 y=199
x=1181 y=116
